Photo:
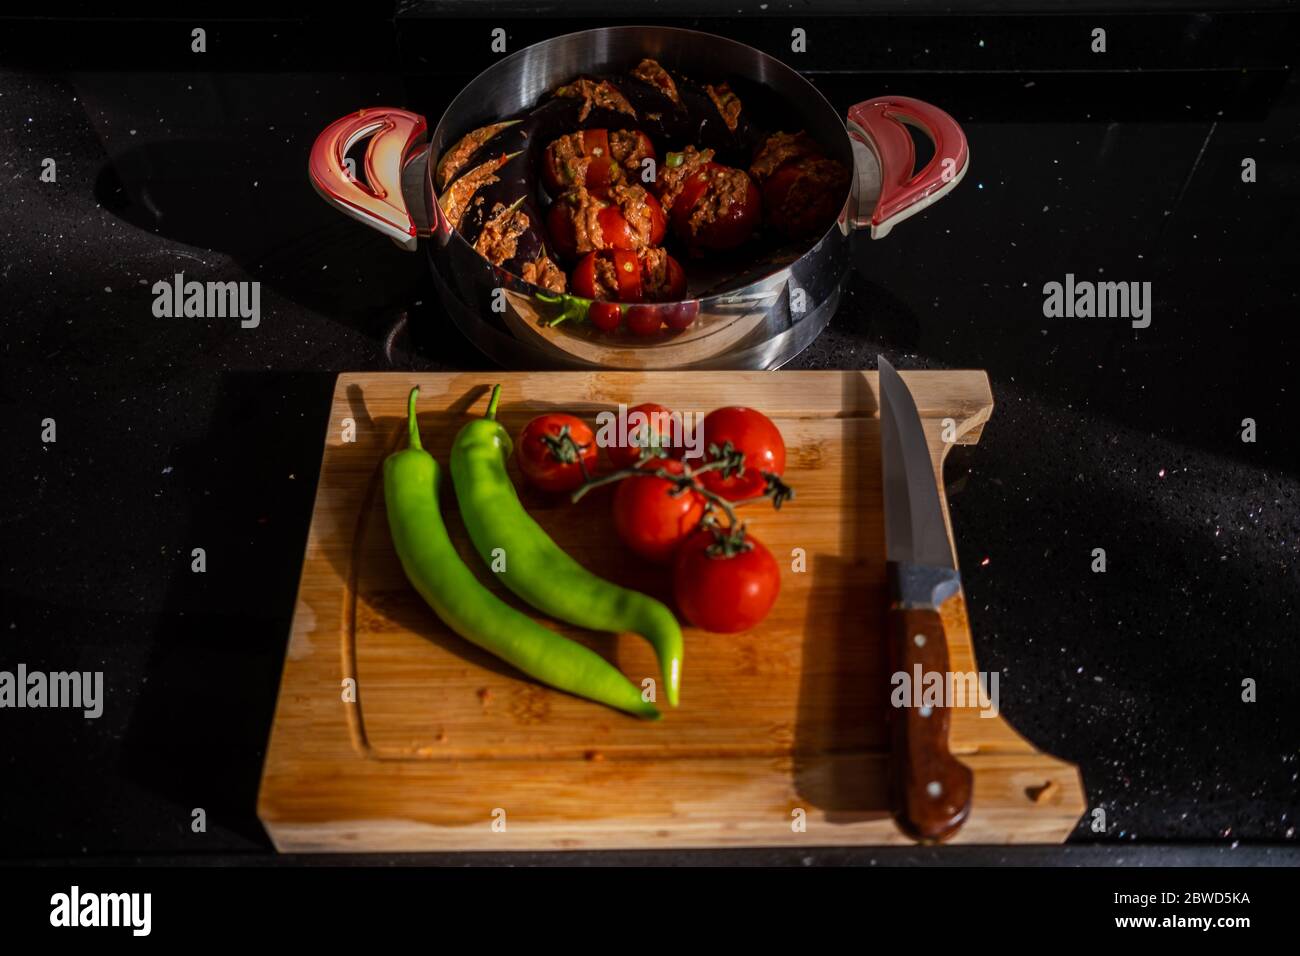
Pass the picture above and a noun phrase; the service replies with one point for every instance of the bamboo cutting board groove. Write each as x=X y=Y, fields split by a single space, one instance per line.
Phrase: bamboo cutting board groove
x=781 y=736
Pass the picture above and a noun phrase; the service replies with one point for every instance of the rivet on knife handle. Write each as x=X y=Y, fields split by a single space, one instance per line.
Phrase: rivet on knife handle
x=932 y=789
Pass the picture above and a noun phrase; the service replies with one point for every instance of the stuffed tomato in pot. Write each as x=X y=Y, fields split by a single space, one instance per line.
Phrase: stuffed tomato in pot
x=639 y=197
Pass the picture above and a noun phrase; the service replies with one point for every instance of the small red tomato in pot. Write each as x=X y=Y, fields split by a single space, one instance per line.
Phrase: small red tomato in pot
x=747 y=431
x=662 y=276
x=594 y=158
x=676 y=170
x=724 y=591
x=553 y=450
x=651 y=516
x=682 y=315
x=634 y=220
x=580 y=222
x=610 y=275
x=644 y=320
x=630 y=148
x=605 y=315
x=780 y=149
x=560 y=227
x=718 y=208
x=615 y=275
x=578 y=159
x=649 y=425
x=803 y=197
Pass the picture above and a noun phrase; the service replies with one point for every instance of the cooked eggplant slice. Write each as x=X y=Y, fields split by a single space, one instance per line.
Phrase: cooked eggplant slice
x=649 y=71
x=727 y=102
x=498 y=239
x=458 y=157
x=707 y=116
x=709 y=126
x=596 y=93
x=506 y=231
x=495 y=211
x=544 y=272
x=456 y=199
x=663 y=117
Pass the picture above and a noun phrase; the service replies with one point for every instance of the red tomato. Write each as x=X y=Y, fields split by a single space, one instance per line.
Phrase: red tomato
x=682 y=315
x=724 y=594
x=804 y=196
x=658 y=221
x=559 y=226
x=775 y=193
x=605 y=315
x=641 y=146
x=655 y=431
x=615 y=231
x=674 y=286
x=627 y=273
x=692 y=190
x=644 y=320
x=753 y=433
x=601 y=176
x=722 y=231
x=599 y=172
x=628 y=269
x=582 y=281
x=548 y=460
x=649 y=518
x=596 y=141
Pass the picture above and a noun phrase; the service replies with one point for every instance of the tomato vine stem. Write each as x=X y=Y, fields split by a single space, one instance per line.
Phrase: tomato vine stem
x=729 y=540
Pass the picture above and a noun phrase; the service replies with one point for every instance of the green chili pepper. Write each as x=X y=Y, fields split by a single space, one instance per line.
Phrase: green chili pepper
x=570 y=307
x=432 y=565
x=534 y=566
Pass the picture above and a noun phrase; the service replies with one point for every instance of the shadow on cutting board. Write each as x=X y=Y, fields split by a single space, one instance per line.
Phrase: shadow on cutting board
x=840 y=733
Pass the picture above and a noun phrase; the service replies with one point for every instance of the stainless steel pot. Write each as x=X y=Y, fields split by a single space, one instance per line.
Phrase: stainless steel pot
x=756 y=318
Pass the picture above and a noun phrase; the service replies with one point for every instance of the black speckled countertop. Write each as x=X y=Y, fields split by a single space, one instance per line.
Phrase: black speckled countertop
x=174 y=434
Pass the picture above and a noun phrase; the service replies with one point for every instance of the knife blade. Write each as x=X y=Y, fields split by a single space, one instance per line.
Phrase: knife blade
x=931 y=789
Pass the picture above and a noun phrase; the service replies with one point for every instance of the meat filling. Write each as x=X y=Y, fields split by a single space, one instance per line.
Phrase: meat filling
x=455 y=158
x=677 y=169
x=779 y=149
x=606 y=279
x=654 y=274
x=569 y=153
x=649 y=71
x=727 y=102
x=727 y=188
x=631 y=200
x=628 y=148
x=545 y=273
x=499 y=240
x=456 y=200
x=592 y=93
x=583 y=209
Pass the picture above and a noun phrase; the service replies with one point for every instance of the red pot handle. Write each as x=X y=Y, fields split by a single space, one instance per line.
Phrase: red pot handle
x=878 y=124
x=379 y=204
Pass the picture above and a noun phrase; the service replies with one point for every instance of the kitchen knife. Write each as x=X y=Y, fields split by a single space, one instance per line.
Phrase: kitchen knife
x=931 y=789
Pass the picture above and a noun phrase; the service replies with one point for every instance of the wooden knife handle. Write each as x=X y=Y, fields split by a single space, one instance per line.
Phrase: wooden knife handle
x=931 y=788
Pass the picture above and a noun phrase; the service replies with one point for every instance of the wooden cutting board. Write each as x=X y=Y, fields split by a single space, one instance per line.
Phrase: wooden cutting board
x=780 y=738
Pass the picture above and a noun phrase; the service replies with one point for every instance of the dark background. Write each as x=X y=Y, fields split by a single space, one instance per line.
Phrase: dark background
x=182 y=433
